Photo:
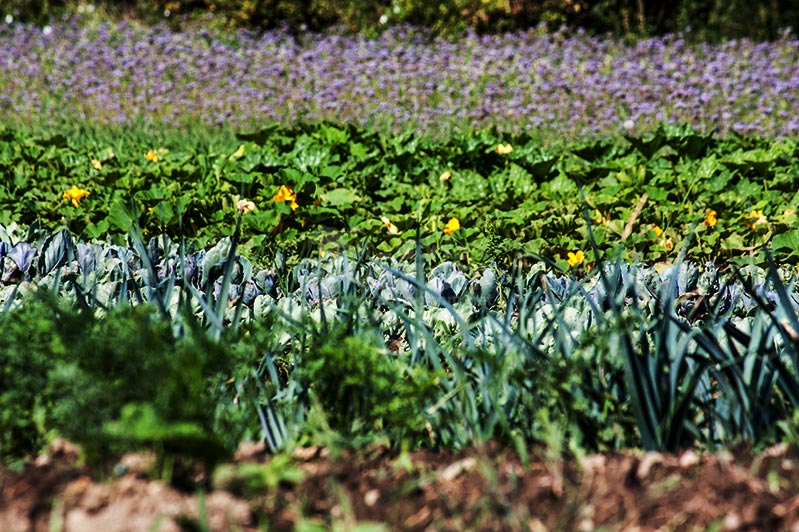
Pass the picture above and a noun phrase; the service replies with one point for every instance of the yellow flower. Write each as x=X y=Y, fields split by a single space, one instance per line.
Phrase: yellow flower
x=504 y=149
x=96 y=164
x=151 y=156
x=710 y=219
x=658 y=231
x=575 y=259
x=245 y=206
x=75 y=194
x=286 y=194
x=604 y=219
x=452 y=225
x=445 y=176
x=758 y=218
x=667 y=243
x=392 y=229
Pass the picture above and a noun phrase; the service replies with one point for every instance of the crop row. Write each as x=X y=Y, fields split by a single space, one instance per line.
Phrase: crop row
x=475 y=199
x=117 y=346
x=537 y=82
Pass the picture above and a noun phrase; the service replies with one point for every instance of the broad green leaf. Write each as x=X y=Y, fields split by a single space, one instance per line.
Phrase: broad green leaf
x=339 y=197
x=120 y=217
x=788 y=241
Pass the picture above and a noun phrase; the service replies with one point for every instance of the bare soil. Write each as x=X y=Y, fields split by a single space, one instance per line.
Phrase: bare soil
x=485 y=488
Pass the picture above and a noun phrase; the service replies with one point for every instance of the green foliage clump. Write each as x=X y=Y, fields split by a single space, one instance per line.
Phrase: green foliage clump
x=708 y=20
x=73 y=373
x=363 y=388
x=713 y=20
x=127 y=357
x=31 y=347
x=36 y=11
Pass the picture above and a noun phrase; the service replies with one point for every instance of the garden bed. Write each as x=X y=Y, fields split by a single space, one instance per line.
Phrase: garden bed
x=481 y=488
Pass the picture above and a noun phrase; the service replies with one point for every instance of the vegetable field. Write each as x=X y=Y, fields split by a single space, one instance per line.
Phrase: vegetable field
x=221 y=247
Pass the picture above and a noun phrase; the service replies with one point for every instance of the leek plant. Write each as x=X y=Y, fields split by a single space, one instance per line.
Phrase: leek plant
x=408 y=352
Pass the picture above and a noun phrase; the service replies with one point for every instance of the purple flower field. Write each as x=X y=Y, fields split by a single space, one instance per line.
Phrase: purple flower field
x=561 y=84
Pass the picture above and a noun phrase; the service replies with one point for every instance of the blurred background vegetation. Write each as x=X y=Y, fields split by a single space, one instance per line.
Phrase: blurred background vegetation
x=708 y=20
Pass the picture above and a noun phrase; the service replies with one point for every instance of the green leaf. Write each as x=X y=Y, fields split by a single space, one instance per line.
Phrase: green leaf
x=261 y=221
x=332 y=172
x=97 y=230
x=561 y=186
x=164 y=212
x=733 y=242
x=339 y=197
x=788 y=240
x=359 y=151
x=140 y=422
x=120 y=217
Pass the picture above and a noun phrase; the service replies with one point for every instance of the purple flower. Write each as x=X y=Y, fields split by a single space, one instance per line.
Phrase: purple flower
x=562 y=83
